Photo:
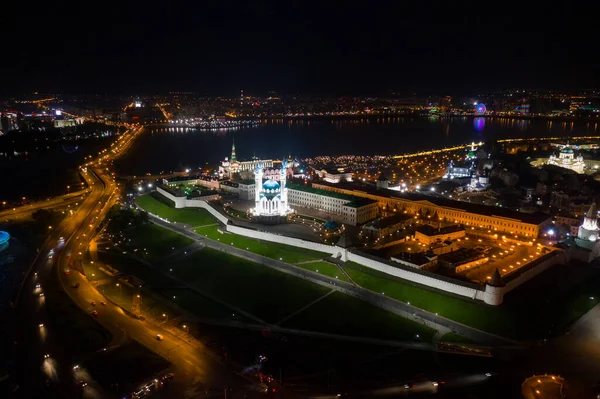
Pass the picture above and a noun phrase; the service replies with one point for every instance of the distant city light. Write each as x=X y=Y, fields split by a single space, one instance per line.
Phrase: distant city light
x=58 y=112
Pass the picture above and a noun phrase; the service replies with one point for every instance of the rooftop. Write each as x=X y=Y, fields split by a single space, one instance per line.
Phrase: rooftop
x=383 y=223
x=431 y=231
x=536 y=218
x=353 y=201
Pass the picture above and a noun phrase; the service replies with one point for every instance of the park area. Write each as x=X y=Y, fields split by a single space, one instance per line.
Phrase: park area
x=158 y=205
x=525 y=314
x=151 y=242
x=285 y=253
x=541 y=308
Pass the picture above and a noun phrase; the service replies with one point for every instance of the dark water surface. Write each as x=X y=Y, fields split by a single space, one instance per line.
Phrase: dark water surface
x=164 y=149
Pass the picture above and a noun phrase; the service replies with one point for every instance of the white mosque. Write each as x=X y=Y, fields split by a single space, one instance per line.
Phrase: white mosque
x=566 y=159
x=271 y=195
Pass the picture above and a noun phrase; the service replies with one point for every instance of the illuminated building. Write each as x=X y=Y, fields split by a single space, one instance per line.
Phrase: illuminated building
x=496 y=219
x=334 y=175
x=566 y=159
x=271 y=195
x=231 y=165
x=344 y=208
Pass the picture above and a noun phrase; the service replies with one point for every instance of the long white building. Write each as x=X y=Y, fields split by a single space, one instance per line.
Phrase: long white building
x=345 y=208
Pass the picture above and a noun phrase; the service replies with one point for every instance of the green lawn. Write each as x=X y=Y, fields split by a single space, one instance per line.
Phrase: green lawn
x=345 y=315
x=259 y=290
x=152 y=242
x=325 y=268
x=286 y=253
x=198 y=304
x=190 y=216
x=480 y=316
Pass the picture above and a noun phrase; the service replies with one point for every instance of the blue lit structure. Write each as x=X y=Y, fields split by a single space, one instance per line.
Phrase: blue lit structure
x=480 y=108
x=4 y=239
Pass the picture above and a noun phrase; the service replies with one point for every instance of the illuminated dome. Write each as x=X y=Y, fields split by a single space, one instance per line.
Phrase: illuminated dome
x=270 y=185
x=567 y=150
x=4 y=238
x=480 y=108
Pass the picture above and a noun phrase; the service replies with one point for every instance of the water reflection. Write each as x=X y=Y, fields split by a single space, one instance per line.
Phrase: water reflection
x=174 y=148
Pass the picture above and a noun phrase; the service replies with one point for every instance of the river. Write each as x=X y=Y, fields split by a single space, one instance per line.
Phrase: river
x=167 y=148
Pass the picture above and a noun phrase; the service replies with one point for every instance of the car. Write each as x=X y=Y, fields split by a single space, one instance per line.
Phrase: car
x=95 y=313
x=38 y=285
x=167 y=377
x=47 y=356
x=407 y=386
x=103 y=303
x=50 y=256
x=93 y=303
x=159 y=337
x=67 y=271
x=488 y=374
x=41 y=294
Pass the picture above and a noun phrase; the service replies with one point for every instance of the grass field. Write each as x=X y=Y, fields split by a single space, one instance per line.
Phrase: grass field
x=325 y=268
x=463 y=311
x=259 y=290
x=152 y=242
x=272 y=250
x=345 y=315
x=190 y=216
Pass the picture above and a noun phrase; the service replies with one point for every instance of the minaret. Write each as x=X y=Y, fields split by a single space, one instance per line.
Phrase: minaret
x=233 y=158
x=283 y=188
x=258 y=178
x=241 y=97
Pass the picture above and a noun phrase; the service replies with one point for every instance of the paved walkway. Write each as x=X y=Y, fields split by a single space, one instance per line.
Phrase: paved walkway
x=304 y=307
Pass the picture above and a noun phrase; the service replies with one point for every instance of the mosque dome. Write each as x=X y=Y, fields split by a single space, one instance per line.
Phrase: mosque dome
x=270 y=185
x=567 y=150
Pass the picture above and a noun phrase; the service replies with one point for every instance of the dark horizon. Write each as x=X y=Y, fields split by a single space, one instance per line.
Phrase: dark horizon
x=297 y=48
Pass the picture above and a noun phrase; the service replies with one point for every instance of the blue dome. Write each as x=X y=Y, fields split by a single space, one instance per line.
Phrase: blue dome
x=271 y=185
x=4 y=237
x=567 y=150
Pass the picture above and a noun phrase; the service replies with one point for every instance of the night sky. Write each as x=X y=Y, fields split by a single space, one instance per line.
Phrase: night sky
x=293 y=47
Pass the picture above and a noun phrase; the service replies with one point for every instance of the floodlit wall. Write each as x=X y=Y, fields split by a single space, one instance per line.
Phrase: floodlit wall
x=296 y=242
x=488 y=294
x=430 y=280
x=183 y=202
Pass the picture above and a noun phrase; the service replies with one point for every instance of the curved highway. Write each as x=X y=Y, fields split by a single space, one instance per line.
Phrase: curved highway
x=39 y=375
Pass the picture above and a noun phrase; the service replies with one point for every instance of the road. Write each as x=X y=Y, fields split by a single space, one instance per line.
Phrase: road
x=194 y=366
x=25 y=211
